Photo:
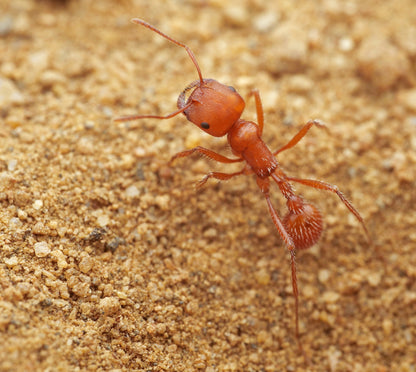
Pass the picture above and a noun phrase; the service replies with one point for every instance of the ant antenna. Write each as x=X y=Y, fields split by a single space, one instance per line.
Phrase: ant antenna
x=188 y=50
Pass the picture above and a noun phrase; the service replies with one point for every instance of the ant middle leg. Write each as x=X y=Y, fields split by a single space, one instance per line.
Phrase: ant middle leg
x=205 y=152
x=222 y=176
x=301 y=134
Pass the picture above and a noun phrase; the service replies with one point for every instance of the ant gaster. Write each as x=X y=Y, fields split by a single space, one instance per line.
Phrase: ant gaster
x=216 y=109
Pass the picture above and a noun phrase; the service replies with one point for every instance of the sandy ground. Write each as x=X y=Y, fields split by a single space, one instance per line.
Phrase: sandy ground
x=110 y=260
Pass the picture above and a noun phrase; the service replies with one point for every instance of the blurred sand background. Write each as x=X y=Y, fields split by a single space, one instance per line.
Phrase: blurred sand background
x=111 y=261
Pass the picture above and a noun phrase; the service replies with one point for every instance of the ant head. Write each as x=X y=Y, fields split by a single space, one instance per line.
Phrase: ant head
x=214 y=107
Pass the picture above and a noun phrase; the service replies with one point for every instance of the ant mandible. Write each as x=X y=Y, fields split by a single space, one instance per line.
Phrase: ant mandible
x=216 y=109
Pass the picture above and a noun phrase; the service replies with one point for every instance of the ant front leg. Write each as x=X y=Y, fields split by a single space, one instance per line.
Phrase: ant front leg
x=205 y=152
x=301 y=134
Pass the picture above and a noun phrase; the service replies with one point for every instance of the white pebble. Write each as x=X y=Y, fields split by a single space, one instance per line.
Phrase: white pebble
x=14 y=223
x=11 y=262
x=330 y=297
x=236 y=15
x=9 y=94
x=140 y=152
x=103 y=220
x=37 y=204
x=346 y=44
x=323 y=275
x=11 y=165
x=132 y=192
x=265 y=21
x=42 y=249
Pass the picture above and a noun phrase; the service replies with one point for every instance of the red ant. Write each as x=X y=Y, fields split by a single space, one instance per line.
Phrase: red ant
x=216 y=109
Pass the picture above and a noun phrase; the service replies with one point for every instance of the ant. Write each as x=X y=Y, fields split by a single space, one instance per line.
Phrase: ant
x=216 y=109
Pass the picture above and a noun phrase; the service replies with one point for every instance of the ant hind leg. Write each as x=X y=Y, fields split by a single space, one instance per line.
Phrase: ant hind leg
x=264 y=185
x=320 y=185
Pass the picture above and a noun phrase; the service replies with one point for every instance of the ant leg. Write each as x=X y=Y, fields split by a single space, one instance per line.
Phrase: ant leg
x=264 y=185
x=206 y=152
x=320 y=185
x=259 y=109
x=222 y=176
x=301 y=134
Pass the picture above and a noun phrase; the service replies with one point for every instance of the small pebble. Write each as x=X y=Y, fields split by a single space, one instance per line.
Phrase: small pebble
x=9 y=94
x=11 y=165
x=37 y=204
x=193 y=139
x=42 y=249
x=14 y=223
x=265 y=21
x=262 y=337
x=346 y=44
x=172 y=348
x=37 y=62
x=408 y=99
x=262 y=277
x=387 y=326
x=300 y=84
x=109 y=305
x=50 y=78
x=103 y=220
x=191 y=307
x=140 y=152
x=292 y=57
x=151 y=329
x=163 y=202
x=86 y=264
x=262 y=231
x=160 y=328
x=323 y=275
x=381 y=62
x=330 y=297
x=81 y=289
x=6 y=25
x=210 y=233
x=40 y=229
x=22 y=214
x=309 y=292
x=60 y=259
x=236 y=15
x=200 y=363
x=132 y=192
x=374 y=279
x=11 y=262
x=85 y=146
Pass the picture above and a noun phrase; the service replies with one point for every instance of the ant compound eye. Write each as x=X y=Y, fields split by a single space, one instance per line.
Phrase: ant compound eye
x=232 y=89
x=204 y=125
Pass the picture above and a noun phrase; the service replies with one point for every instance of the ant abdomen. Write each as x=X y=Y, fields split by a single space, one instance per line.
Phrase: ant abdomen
x=304 y=224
